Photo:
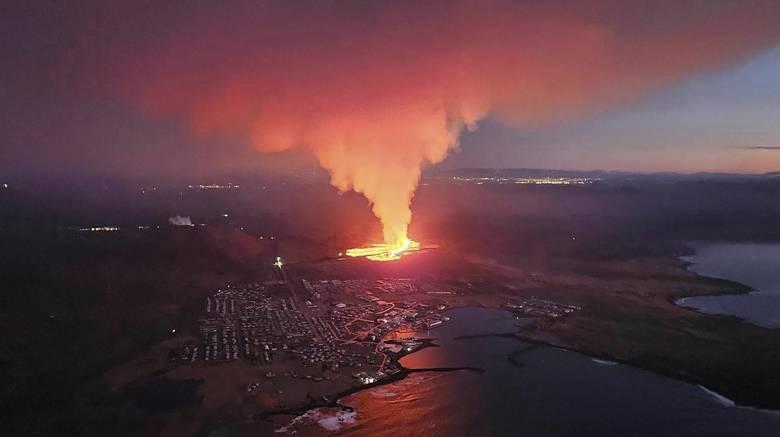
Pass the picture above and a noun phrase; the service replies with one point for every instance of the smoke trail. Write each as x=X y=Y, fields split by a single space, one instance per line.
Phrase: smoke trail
x=378 y=90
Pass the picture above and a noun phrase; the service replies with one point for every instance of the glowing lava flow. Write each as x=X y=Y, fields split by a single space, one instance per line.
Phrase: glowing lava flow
x=384 y=251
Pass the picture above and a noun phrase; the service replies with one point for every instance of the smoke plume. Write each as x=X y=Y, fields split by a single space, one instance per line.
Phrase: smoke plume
x=378 y=90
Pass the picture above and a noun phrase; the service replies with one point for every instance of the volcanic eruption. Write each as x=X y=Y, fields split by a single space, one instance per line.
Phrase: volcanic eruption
x=378 y=90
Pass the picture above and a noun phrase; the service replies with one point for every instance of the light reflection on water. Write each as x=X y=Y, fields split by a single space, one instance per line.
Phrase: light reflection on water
x=554 y=392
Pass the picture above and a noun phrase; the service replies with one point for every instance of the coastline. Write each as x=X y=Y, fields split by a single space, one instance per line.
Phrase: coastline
x=334 y=400
x=723 y=287
x=726 y=402
x=610 y=360
x=734 y=288
x=739 y=289
x=514 y=359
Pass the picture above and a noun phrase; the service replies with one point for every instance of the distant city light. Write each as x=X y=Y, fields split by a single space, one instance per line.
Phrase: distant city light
x=100 y=229
x=522 y=180
x=278 y=262
x=228 y=186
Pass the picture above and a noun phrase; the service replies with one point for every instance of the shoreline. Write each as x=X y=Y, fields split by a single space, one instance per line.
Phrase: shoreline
x=726 y=402
x=334 y=400
x=513 y=357
x=730 y=288
x=610 y=360
x=735 y=288
x=739 y=289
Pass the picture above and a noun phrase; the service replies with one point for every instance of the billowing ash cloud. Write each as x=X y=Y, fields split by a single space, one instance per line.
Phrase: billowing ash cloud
x=377 y=90
x=178 y=220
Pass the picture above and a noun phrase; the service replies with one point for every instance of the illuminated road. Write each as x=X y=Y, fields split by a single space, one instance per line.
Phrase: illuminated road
x=301 y=306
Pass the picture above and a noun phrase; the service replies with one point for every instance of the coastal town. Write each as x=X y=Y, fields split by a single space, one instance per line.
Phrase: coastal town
x=358 y=325
x=535 y=307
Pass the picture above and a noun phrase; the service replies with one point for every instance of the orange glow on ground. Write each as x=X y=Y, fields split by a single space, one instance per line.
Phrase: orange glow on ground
x=385 y=251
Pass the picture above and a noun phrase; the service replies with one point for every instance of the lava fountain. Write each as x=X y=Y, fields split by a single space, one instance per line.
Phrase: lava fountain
x=385 y=251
